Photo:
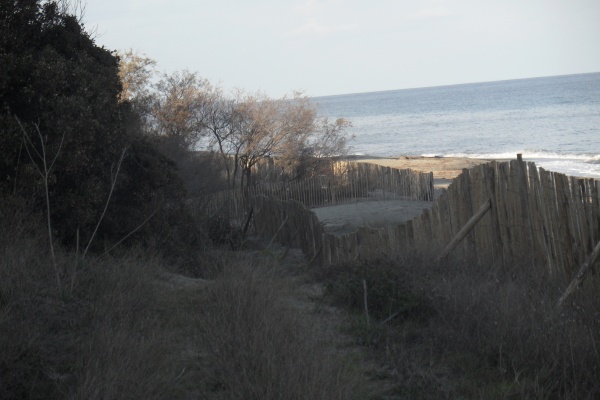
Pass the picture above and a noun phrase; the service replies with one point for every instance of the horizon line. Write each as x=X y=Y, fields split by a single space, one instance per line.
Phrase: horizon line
x=453 y=84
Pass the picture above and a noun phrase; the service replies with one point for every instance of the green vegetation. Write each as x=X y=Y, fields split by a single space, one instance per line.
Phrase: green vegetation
x=113 y=286
x=59 y=102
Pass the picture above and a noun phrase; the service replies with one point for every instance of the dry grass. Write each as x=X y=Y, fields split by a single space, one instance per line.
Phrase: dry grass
x=261 y=348
x=97 y=337
x=480 y=333
x=124 y=328
x=515 y=339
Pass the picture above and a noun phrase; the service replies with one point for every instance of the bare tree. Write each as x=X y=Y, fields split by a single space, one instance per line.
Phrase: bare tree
x=179 y=110
x=299 y=123
x=136 y=71
x=243 y=128
x=258 y=130
x=253 y=126
x=218 y=123
x=329 y=140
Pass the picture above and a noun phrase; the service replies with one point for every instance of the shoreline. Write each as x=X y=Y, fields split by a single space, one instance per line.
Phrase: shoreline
x=447 y=168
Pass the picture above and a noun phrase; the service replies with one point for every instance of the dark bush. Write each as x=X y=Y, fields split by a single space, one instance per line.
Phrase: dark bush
x=62 y=91
x=223 y=233
x=388 y=291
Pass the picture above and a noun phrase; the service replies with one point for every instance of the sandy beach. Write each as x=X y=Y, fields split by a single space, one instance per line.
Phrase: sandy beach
x=377 y=213
x=442 y=167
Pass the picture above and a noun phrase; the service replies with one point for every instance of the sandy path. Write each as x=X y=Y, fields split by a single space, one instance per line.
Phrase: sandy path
x=348 y=217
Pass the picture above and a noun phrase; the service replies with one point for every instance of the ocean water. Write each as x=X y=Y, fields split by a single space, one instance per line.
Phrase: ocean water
x=553 y=121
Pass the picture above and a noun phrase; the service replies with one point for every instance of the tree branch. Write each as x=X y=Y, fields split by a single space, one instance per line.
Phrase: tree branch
x=112 y=187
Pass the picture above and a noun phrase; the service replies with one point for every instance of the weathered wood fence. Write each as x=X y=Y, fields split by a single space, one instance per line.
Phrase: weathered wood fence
x=345 y=182
x=535 y=218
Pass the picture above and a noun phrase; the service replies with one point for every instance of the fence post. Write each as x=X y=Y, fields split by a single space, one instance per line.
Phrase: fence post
x=465 y=229
x=580 y=275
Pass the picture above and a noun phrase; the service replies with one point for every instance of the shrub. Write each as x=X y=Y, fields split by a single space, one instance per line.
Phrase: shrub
x=388 y=291
x=60 y=90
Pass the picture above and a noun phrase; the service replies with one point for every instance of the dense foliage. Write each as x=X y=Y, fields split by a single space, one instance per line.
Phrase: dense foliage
x=59 y=98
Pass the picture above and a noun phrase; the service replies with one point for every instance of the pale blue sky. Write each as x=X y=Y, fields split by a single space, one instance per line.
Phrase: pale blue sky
x=327 y=47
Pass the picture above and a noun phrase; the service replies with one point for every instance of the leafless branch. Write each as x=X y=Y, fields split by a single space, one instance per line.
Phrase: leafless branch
x=45 y=174
x=112 y=187
x=131 y=233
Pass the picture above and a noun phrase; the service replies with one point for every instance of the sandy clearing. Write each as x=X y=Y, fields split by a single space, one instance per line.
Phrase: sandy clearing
x=347 y=218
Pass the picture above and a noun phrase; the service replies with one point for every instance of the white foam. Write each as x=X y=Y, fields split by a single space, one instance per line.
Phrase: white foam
x=582 y=165
x=527 y=154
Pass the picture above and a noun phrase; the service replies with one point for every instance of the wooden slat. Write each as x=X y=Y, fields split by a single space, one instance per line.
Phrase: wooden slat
x=565 y=238
x=537 y=218
x=540 y=222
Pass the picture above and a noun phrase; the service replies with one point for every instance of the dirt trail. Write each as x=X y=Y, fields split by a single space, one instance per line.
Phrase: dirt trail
x=307 y=299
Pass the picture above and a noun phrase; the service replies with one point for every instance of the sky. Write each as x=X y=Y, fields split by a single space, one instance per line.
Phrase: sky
x=329 y=47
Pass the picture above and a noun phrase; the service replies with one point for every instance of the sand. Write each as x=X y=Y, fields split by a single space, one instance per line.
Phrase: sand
x=347 y=218
x=378 y=213
x=442 y=167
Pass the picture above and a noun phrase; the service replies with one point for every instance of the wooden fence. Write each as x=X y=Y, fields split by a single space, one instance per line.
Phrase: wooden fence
x=345 y=182
x=531 y=217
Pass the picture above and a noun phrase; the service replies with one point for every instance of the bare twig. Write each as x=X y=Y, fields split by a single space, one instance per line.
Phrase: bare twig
x=278 y=230
x=112 y=188
x=17 y=168
x=45 y=174
x=131 y=233
x=287 y=248
x=247 y=224
x=391 y=317
x=366 y=304
x=74 y=8
x=74 y=273
x=317 y=254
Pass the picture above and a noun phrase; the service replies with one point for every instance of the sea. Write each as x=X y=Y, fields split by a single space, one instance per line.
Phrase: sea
x=552 y=121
